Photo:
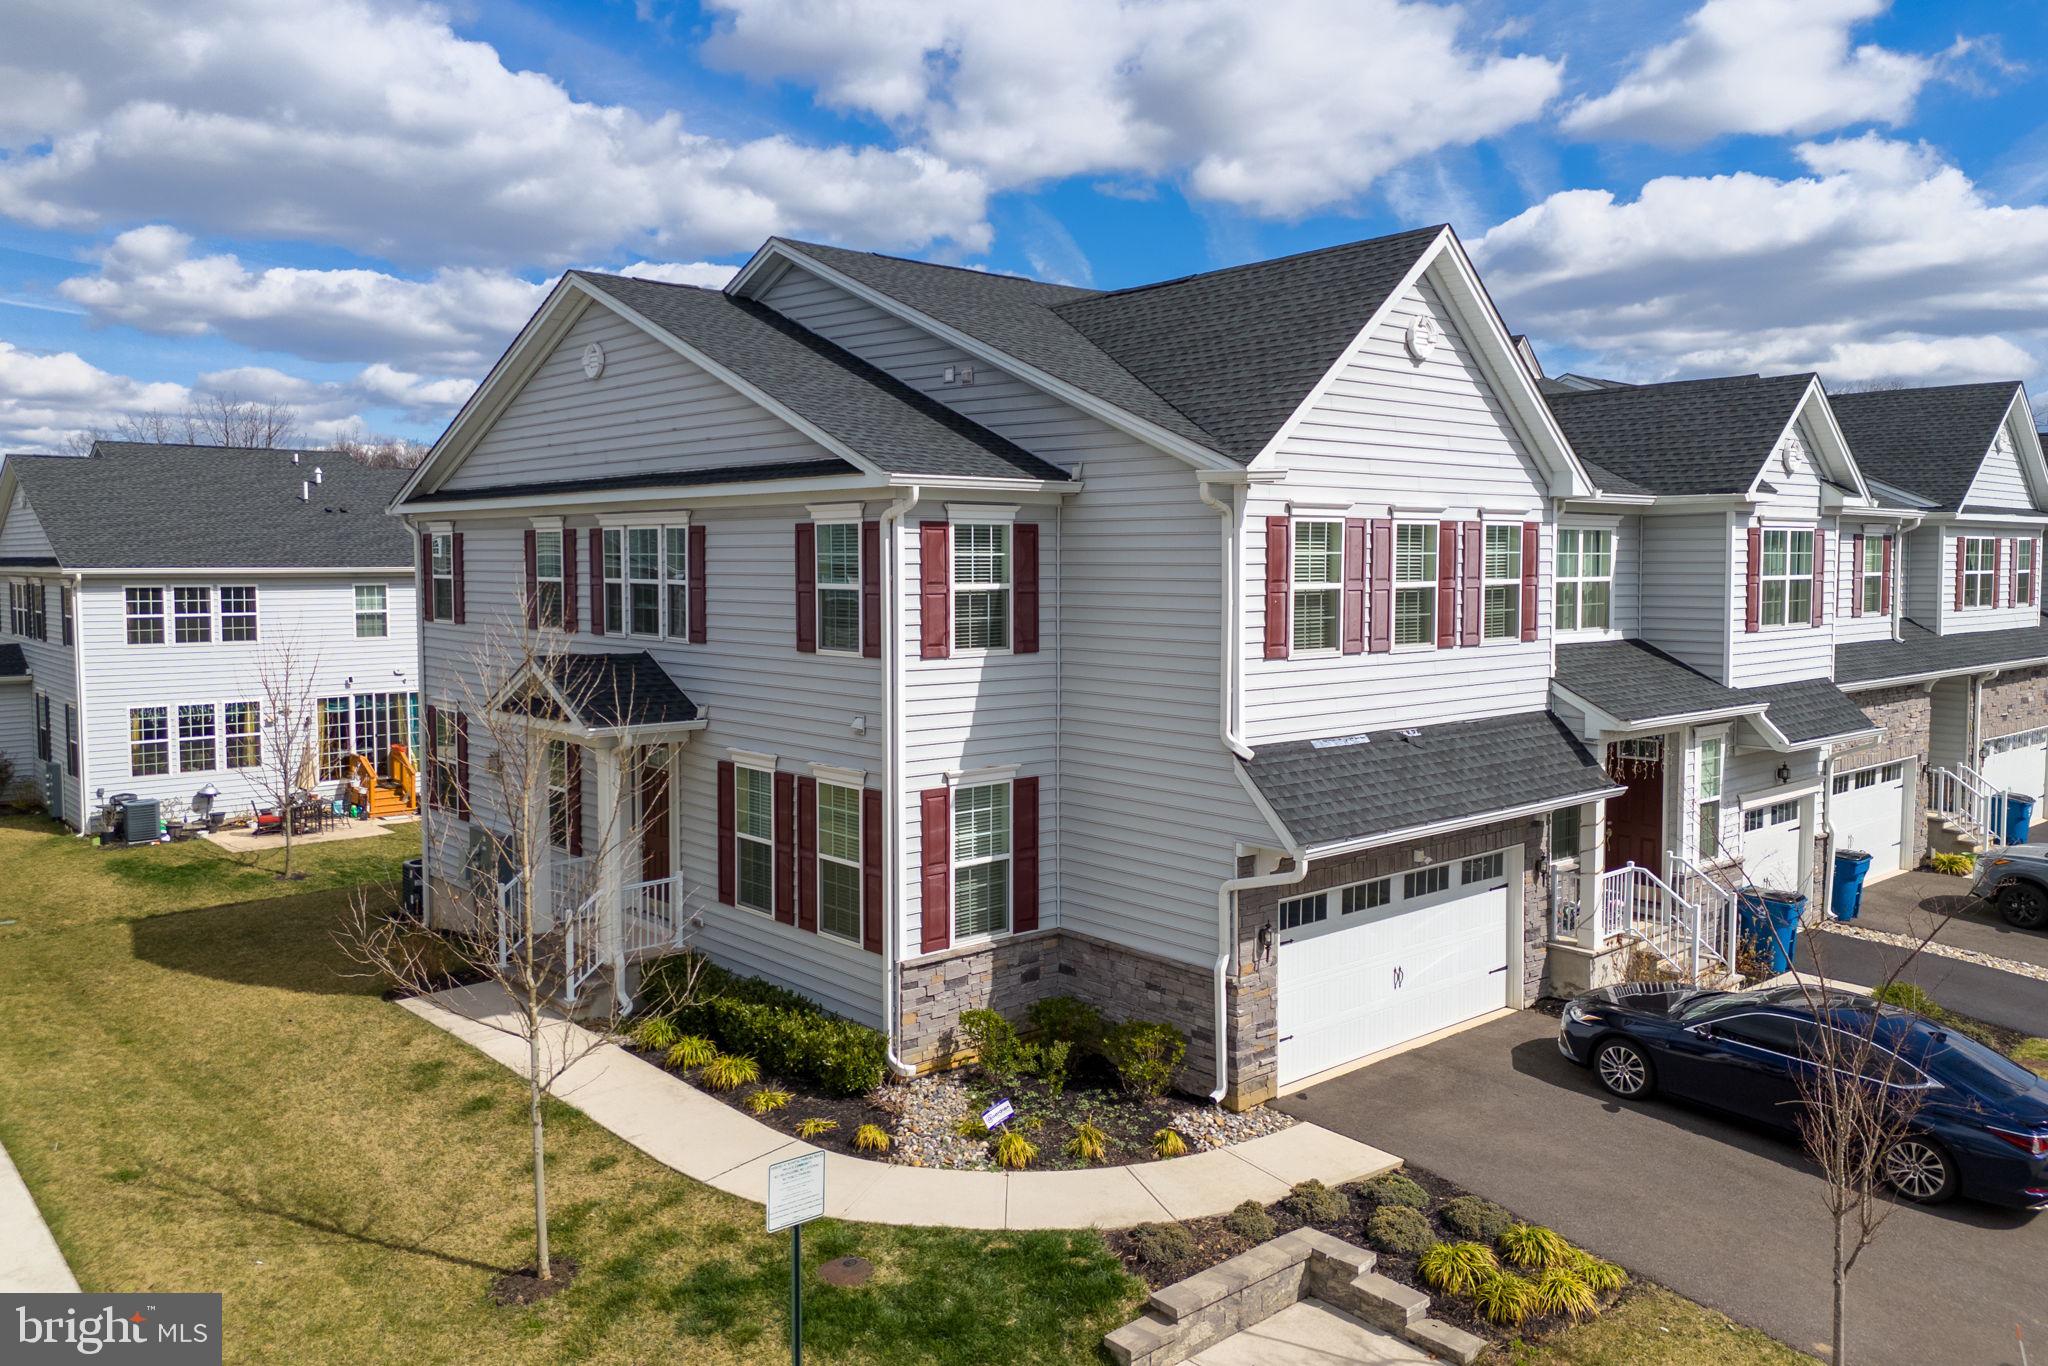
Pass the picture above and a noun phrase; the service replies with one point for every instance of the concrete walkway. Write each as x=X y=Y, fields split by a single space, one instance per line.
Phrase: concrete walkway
x=681 y=1127
x=1311 y=1333
x=29 y=1259
x=247 y=841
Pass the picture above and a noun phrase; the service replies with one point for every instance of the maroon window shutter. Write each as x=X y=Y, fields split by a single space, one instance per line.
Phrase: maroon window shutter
x=935 y=590
x=1856 y=575
x=462 y=765
x=597 y=581
x=1885 y=587
x=1380 y=616
x=2033 y=580
x=433 y=756
x=461 y=602
x=1998 y=588
x=807 y=854
x=1277 y=566
x=1024 y=841
x=1532 y=567
x=1753 y=614
x=728 y=834
x=1446 y=585
x=1024 y=588
x=871 y=589
x=532 y=579
x=1820 y=574
x=1475 y=582
x=1354 y=585
x=806 y=588
x=785 y=848
x=574 y=813
x=426 y=576
x=569 y=585
x=1960 y=544
x=871 y=870
x=936 y=859
x=699 y=588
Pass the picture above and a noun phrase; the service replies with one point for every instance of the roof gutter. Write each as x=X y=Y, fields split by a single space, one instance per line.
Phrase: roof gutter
x=1609 y=721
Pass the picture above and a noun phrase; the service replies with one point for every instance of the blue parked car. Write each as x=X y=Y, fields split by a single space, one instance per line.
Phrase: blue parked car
x=1982 y=1125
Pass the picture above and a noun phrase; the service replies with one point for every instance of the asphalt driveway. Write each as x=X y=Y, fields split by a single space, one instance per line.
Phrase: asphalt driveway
x=1916 y=903
x=1728 y=1215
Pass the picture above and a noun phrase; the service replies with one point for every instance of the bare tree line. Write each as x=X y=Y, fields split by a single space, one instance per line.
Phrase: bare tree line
x=227 y=419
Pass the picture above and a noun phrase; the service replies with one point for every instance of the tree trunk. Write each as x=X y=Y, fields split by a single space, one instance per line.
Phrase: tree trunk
x=540 y=1171
x=1839 y=1342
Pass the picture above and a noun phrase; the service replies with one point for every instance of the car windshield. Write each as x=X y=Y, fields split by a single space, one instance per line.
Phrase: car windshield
x=1718 y=1003
x=1965 y=1063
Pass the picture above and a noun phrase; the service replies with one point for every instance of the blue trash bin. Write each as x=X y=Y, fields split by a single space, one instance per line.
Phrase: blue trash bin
x=1846 y=892
x=1770 y=924
x=2019 y=818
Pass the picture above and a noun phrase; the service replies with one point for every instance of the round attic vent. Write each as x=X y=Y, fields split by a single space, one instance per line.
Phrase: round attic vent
x=593 y=361
x=1422 y=338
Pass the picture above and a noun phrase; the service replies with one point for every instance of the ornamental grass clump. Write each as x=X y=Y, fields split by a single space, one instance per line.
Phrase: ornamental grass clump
x=1089 y=1144
x=1532 y=1246
x=690 y=1051
x=1456 y=1268
x=1396 y=1189
x=870 y=1138
x=1400 y=1230
x=766 y=1101
x=1250 y=1222
x=1013 y=1151
x=1602 y=1277
x=1560 y=1291
x=1504 y=1298
x=1168 y=1143
x=1312 y=1202
x=815 y=1127
x=729 y=1072
x=656 y=1034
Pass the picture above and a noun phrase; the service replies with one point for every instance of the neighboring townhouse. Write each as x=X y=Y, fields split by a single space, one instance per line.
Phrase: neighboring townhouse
x=1960 y=682
x=149 y=590
x=1185 y=648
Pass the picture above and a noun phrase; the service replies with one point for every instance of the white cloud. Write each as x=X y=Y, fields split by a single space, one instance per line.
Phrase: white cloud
x=1758 y=66
x=702 y=274
x=1883 y=262
x=372 y=125
x=1280 y=107
x=47 y=395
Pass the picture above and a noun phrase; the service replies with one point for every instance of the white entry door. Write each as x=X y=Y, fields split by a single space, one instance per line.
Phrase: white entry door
x=2018 y=763
x=1771 y=837
x=1366 y=967
x=1870 y=814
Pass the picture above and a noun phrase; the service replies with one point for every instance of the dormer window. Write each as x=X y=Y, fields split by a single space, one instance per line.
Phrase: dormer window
x=1872 y=572
x=1980 y=571
x=2023 y=570
x=1787 y=578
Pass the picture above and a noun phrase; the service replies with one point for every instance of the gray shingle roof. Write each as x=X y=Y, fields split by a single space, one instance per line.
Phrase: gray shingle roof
x=1812 y=711
x=13 y=662
x=1697 y=436
x=609 y=689
x=677 y=479
x=1638 y=683
x=138 y=505
x=1926 y=441
x=1325 y=791
x=1220 y=358
x=872 y=412
x=1921 y=653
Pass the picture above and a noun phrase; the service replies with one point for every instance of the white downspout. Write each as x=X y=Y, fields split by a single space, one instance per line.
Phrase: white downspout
x=892 y=777
x=83 y=781
x=1226 y=906
x=1232 y=651
x=1898 y=584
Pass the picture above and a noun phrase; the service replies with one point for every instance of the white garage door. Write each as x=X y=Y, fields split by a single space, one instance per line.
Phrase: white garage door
x=2018 y=763
x=1870 y=814
x=1378 y=963
x=1770 y=845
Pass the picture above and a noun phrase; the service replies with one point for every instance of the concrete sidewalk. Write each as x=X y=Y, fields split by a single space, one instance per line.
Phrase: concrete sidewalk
x=29 y=1259
x=681 y=1127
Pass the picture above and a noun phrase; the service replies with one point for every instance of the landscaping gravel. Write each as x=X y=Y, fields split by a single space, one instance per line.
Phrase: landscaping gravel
x=1939 y=950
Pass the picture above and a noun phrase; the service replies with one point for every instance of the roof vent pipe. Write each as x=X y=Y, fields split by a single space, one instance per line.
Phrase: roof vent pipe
x=305 y=491
x=316 y=474
x=295 y=457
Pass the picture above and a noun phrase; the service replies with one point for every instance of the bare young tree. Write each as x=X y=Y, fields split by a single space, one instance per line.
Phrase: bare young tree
x=544 y=865
x=289 y=726
x=227 y=419
x=380 y=452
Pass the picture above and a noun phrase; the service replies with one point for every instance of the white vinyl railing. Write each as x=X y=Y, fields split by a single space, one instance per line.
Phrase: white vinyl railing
x=651 y=916
x=1715 y=902
x=583 y=946
x=1636 y=903
x=1962 y=797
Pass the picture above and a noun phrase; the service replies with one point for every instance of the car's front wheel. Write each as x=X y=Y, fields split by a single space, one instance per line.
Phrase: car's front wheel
x=1920 y=1171
x=2024 y=906
x=1623 y=1069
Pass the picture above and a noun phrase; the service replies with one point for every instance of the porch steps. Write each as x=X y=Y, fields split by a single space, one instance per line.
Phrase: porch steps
x=388 y=799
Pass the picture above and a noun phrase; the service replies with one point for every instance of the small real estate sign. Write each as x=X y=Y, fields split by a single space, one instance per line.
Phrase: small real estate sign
x=997 y=1113
x=796 y=1191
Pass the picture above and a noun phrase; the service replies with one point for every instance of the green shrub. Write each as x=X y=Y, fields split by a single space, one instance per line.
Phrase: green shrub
x=789 y=1034
x=1955 y=865
x=691 y=1051
x=1471 y=1217
x=1068 y=1020
x=1163 y=1246
x=1907 y=996
x=1396 y=1189
x=1089 y=1144
x=1146 y=1054
x=1312 y=1202
x=1504 y=1298
x=1250 y=1222
x=871 y=1138
x=1013 y=1151
x=1532 y=1246
x=1456 y=1268
x=994 y=1041
x=656 y=1034
x=1399 y=1229
x=1602 y=1278
x=1168 y=1142
x=729 y=1072
x=970 y=1126
x=1049 y=1061
x=1560 y=1291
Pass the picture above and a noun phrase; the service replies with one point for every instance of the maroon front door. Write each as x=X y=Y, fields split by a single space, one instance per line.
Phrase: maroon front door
x=1635 y=819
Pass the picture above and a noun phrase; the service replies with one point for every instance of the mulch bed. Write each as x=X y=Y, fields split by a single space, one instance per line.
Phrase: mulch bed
x=1214 y=1242
x=525 y=1287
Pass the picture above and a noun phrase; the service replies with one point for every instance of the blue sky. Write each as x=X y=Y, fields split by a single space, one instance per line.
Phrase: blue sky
x=350 y=205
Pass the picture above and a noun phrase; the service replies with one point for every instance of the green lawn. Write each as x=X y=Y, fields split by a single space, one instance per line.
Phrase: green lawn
x=1654 y=1327
x=203 y=1101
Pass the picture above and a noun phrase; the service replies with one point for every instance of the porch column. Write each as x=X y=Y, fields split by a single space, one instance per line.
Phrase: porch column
x=1592 y=861
x=609 y=868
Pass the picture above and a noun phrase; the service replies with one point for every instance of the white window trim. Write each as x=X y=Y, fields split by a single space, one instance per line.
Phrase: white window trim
x=213 y=735
x=2019 y=543
x=624 y=628
x=860 y=837
x=1296 y=587
x=1873 y=547
x=546 y=523
x=434 y=578
x=1514 y=584
x=738 y=872
x=981 y=777
x=1788 y=578
x=1434 y=532
x=819 y=588
x=839 y=777
x=619 y=521
x=356 y=612
x=228 y=737
x=1611 y=526
x=992 y=514
x=1968 y=574
x=162 y=615
x=1690 y=834
x=560 y=580
x=1008 y=586
x=670 y=630
x=747 y=758
x=836 y=512
x=954 y=863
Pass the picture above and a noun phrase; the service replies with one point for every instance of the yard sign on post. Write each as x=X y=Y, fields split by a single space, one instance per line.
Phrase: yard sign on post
x=796 y=1195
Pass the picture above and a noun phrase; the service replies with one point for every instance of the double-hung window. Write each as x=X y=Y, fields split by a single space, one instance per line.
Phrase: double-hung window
x=196 y=752
x=1585 y=578
x=838 y=583
x=2023 y=570
x=1980 y=571
x=1503 y=583
x=444 y=771
x=675 y=578
x=1870 y=575
x=1415 y=583
x=839 y=861
x=441 y=550
x=754 y=830
x=547 y=576
x=981 y=586
x=149 y=742
x=1318 y=584
x=64 y=606
x=191 y=615
x=1786 y=578
x=335 y=735
x=1710 y=756
x=71 y=739
x=981 y=860
x=145 y=615
x=240 y=725
x=633 y=580
x=238 y=613
x=41 y=703
x=373 y=618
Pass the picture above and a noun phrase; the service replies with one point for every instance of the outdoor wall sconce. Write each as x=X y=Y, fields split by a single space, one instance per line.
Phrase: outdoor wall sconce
x=1784 y=773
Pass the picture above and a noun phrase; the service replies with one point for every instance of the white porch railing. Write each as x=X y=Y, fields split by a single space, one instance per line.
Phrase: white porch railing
x=1637 y=904
x=1715 y=902
x=583 y=944
x=650 y=916
x=600 y=930
x=1962 y=797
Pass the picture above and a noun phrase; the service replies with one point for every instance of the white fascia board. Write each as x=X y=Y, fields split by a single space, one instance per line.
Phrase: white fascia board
x=1195 y=454
x=1833 y=439
x=1992 y=519
x=322 y=571
x=1608 y=723
x=1265 y=808
x=2028 y=442
x=940 y=482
